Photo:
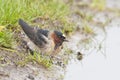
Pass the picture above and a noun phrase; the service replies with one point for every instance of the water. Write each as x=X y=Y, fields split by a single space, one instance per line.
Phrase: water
x=97 y=66
x=113 y=4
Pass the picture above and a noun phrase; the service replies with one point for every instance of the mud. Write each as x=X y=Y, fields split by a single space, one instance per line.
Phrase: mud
x=79 y=41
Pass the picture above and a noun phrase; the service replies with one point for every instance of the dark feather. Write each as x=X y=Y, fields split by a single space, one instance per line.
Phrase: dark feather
x=35 y=35
x=27 y=29
x=44 y=32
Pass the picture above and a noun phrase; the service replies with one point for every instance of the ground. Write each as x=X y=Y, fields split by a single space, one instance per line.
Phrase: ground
x=89 y=19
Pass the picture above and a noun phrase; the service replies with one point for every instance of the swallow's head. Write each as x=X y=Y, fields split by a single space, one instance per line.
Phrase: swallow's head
x=58 y=38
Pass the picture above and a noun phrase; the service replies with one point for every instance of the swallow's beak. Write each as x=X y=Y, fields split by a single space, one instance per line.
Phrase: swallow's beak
x=65 y=40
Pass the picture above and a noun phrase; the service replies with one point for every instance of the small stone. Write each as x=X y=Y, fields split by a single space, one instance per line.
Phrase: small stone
x=79 y=56
x=31 y=77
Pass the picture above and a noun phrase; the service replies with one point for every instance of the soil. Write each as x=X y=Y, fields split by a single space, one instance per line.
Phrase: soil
x=32 y=71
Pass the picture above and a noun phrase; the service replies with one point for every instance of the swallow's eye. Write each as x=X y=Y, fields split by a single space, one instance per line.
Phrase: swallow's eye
x=60 y=36
x=63 y=37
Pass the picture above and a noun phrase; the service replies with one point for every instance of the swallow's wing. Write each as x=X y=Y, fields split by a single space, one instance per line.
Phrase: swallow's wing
x=30 y=31
x=41 y=37
x=38 y=36
x=43 y=32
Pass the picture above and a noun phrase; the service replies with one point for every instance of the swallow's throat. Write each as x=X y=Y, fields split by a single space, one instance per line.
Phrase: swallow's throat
x=58 y=42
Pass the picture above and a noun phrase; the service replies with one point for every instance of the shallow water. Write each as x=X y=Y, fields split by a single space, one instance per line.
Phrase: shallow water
x=97 y=66
x=113 y=4
x=104 y=64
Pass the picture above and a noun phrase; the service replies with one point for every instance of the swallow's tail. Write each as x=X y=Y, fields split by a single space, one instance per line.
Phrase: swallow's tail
x=27 y=29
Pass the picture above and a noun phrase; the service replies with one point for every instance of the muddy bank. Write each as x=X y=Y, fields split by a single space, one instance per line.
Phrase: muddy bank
x=30 y=72
x=80 y=41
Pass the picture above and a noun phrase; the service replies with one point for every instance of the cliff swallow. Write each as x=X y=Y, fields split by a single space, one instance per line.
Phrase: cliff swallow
x=48 y=42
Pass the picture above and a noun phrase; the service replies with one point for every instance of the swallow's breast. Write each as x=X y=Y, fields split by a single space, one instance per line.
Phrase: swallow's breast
x=49 y=48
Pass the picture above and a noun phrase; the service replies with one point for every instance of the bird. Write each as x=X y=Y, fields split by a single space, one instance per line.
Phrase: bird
x=46 y=41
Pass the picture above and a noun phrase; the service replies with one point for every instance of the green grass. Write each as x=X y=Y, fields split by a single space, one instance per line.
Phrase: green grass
x=45 y=61
x=6 y=39
x=88 y=29
x=98 y=4
x=36 y=58
x=85 y=16
x=12 y=10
